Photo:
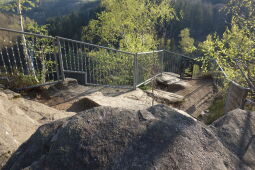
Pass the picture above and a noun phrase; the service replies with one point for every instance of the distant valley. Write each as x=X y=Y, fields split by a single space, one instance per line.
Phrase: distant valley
x=53 y=8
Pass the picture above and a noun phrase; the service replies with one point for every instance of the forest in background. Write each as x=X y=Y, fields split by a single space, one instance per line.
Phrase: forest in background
x=67 y=17
x=199 y=28
x=202 y=17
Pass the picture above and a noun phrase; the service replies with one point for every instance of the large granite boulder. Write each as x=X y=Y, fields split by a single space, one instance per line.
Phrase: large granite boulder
x=113 y=138
x=165 y=97
x=171 y=82
x=19 y=119
x=236 y=130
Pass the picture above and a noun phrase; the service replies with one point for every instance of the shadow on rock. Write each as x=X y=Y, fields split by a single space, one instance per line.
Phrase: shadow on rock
x=112 y=138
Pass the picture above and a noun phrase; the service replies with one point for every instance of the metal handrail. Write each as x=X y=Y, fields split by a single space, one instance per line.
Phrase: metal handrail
x=150 y=52
x=227 y=77
x=94 y=45
x=112 y=49
x=26 y=33
x=179 y=55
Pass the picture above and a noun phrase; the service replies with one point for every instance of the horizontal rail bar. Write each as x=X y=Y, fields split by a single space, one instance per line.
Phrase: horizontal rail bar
x=76 y=72
x=179 y=54
x=121 y=87
x=221 y=69
x=250 y=102
x=38 y=85
x=26 y=33
x=150 y=52
x=227 y=78
x=81 y=42
x=147 y=81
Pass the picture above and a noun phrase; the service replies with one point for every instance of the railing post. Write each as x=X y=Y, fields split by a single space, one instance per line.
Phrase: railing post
x=86 y=78
x=60 y=59
x=56 y=58
x=135 y=71
x=182 y=67
x=162 y=62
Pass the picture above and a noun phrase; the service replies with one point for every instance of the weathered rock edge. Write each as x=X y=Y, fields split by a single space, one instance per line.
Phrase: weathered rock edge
x=19 y=119
x=112 y=138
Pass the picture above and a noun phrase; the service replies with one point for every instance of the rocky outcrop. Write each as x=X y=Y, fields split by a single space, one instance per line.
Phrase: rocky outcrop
x=19 y=119
x=236 y=131
x=167 y=79
x=134 y=100
x=113 y=138
x=171 y=82
x=165 y=97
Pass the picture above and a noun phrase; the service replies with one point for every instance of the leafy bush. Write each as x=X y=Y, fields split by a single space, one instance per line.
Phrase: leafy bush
x=18 y=80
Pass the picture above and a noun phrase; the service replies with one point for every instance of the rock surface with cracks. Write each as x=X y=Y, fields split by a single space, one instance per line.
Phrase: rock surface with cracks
x=113 y=138
x=19 y=119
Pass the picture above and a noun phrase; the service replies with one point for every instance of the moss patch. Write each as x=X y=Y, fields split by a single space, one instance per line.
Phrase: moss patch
x=216 y=110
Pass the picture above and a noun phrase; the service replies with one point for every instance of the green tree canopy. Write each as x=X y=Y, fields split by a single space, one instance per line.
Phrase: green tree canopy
x=186 y=42
x=129 y=24
x=242 y=12
x=235 y=50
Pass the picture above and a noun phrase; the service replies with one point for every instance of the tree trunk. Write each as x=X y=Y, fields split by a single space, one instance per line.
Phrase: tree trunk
x=29 y=61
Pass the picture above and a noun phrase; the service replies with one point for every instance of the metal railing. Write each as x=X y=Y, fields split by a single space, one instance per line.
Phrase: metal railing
x=222 y=81
x=46 y=59
x=154 y=63
x=29 y=57
x=31 y=60
x=97 y=65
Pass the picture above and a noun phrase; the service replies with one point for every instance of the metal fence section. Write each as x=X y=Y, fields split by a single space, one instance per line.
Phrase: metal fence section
x=220 y=78
x=148 y=66
x=154 y=63
x=39 y=60
x=28 y=57
x=236 y=95
x=180 y=64
x=97 y=65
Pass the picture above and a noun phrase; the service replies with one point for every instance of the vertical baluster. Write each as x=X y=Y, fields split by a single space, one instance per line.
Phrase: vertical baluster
x=86 y=58
x=51 y=60
x=56 y=63
x=25 y=59
x=65 y=54
x=19 y=56
x=51 y=56
x=83 y=57
x=13 y=55
x=2 y=57
x=105 y=72
x=93 y=71
x=70 y=55
x=74 y=63
x=118 y=73
x=52 y=68
x=78 y=56
x=101 y=72
x=84 y=65
x=90 y=68
x=34 y=54
x=8 y=59
x=98 y=73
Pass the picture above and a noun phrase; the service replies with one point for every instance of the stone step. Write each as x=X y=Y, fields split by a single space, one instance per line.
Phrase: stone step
x=197 y=101
x=203 y=105
x=165 y=97
x=196 y=96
